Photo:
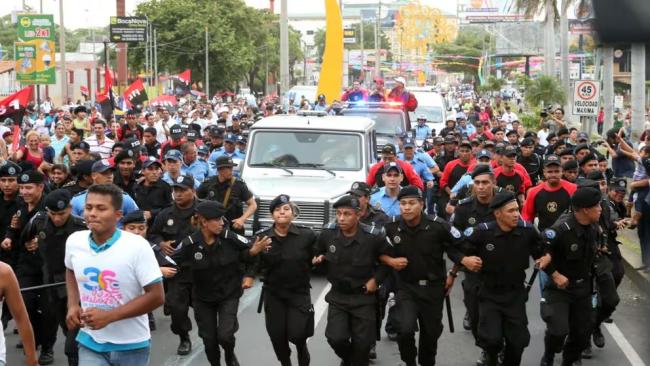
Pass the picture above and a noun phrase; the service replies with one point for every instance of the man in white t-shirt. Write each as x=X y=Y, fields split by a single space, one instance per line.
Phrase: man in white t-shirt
x=112 y=281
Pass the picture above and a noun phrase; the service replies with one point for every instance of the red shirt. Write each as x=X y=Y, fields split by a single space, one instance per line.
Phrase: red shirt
x=547 y=203
x=453 y=171
x=409 y=174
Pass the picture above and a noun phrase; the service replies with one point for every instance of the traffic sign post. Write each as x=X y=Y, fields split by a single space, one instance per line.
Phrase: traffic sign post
x=586 y=98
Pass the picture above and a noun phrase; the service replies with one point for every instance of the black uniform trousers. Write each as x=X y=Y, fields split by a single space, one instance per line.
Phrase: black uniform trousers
x=289 y=318
x=217 y=322
x=419 y=305
x=502 y=315
x=53 y=317
x=33 y=305
x=567 y=313
x=177 y=302
x=471 y=284
x=351 y=322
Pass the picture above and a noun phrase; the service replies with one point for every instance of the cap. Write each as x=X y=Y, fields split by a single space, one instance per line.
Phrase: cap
x=585 y=197
x=151 y=161
x=210 y=209
x=321 y=97
x=409 y=143
x=465 y=143
x=570 y=165
x=124 y=154
x=230 y=137
x=401 y=80
x=488 y=143
x=134 y=217
x=582 y=136
x=241 y=140
x=359 y=189
x=580 y=147
x=588 y=183
x=184 y=181
x=203 y=150
x=389 y=149
x=527 y=142
x=501 y=199
x=484 y=154
x=131 y=143
x=596 y=175
x=618 y=184
x=83 y=167
x=215 y=131
x=83 y=145
x=450 y=140
x=57 y=200
x=10 y=169
x=587 y=158
x=438 y=140
x=409 y=192
x=31 y=176
x=101 y=166
x=552 y=160
x=392 y=166
x=347 y=201
x=224 y=162
x=481 y=169
x=174 y=155
x=176 y=131
x=509 y=150
x=530 y=134
x=279 y=201
x=192 y=135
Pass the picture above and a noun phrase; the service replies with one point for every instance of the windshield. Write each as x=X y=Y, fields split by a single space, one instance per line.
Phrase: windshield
x=308 y=150
x=433 y=114
x=385 y=123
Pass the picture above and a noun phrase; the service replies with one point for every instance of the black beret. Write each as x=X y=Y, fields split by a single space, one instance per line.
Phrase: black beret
x=618 y=184
x=10 y=169
x=278 y=201
x=502 y=198
x=580 y=147
x=31 y=176
x=360 y=189
x=210 y=209
x=590 y=183
x=347 y=201
x=410 y=192
x=57 y=200
x=481 y=169
x=389 y=149
x=587 y=158
x=136 y=217
x=124 y=154
x=585 y=197
x=595 y=175
x=552 y=160
x=569 y=165
x=184 y=181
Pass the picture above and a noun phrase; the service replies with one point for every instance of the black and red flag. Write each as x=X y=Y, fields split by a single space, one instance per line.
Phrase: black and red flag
x=135 y=94
x=105 y=97
x=15 y=102
x=181 y=82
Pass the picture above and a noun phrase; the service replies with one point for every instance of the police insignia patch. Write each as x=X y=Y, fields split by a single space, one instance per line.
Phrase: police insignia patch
x=489 y=247
x=332 y=248
x=574 y=247
x=11 y=170
x=211 y=194
x=355 y=185
x=471 y=221
x=551 y=206
x=24 y=178
x=170 y=222
x=621 y=183
x=198 y=256
x=284 y=199
x=397 y=239
x=60 y=205
x=242 y=239
x=179 y=179
x=42 y=235
x=469 y=231
x=455 y=233
x=549 y=234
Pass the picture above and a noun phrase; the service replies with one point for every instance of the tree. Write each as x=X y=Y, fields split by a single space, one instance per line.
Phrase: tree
x=463 y=54
x=545 y=90
x=493 y=85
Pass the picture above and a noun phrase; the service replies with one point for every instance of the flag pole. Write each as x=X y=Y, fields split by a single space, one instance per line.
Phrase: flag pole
x=106 y=70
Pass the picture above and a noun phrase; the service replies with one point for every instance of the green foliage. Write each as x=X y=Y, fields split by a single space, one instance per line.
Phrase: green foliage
x=523 y=81
x=545 y=90
x=468 y=43
x=493 y=85
x=530 y=120
x=241 y=40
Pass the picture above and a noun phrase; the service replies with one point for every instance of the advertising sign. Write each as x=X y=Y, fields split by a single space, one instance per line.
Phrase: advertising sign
x=35 y=49
x=349 y=35
x=128 y=29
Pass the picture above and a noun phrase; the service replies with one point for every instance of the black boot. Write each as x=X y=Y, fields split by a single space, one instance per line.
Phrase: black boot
x=185 y=347
x=46 y=357
x=547 y=359
x=73 y=361
x=466 y=323
x=599 y=339
x=231 y=359
x=303 y=355
x=482 y=361
x=373 y=353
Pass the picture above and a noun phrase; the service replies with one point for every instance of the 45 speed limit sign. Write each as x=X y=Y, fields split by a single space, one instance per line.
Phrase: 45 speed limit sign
x=586 y=98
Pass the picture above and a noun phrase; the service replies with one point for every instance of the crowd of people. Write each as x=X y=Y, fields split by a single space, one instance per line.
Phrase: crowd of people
x=149 y=211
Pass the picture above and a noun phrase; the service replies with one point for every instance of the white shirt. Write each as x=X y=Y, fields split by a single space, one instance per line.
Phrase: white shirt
x=111 y=278
x=509 y=117
x=542 y=135
x=104 y=150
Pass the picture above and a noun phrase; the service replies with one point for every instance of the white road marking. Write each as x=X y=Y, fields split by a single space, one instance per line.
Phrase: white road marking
x=624 y=345
x=250 y=296
x=320 y=306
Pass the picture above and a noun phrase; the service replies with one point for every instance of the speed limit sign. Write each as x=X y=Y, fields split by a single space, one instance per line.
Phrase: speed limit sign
x=586 y=96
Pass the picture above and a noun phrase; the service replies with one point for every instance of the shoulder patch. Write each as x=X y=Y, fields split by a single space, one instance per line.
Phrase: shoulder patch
x=330 y=226
x=455 y=233
x=484 y=226
x=241 y=238
x=550 y=234
x=262 y=230
x=469 y=231
x=465 y=201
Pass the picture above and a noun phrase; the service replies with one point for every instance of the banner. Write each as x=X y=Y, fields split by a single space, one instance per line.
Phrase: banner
x=135 y=94
x=35 y=62
x=164 y=101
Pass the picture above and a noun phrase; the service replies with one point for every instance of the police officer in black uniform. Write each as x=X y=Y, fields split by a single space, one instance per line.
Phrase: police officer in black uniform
x=615 y=201
x=170 y=226
x=530 y=160
x=9 y=189
x=82 y=171
x=216 y=258
x=470 y=212
x=46 y=234
x=500 y=252
x=351 y=251
x=231 y=191
x=419 y=241
x=152 y=194
x=285 y=269
x=567 y=299
x=125 y=163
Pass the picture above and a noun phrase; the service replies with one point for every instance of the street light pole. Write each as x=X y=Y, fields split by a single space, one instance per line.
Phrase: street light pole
x=284 y=48
x=377 y=31
x=207 y=66
x=63 y=73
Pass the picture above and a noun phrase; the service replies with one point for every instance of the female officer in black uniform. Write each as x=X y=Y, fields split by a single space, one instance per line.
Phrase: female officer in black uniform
x=285 y=269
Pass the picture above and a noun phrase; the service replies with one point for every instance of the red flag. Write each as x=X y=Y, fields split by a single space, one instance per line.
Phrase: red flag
x=135 y=94
x=164 y=101
x=84 y=90
x=16 y=101
x=184 y=76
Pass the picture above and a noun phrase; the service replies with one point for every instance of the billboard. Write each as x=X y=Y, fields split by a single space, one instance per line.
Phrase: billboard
x=35 y=49
x=519 y=39
x=128 y=29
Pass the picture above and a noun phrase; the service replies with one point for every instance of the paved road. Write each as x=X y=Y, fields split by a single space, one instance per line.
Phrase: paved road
x=631 y=324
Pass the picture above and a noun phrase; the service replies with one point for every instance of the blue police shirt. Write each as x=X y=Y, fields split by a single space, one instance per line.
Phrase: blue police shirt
x=464 y=181
x=422 y=170
x=199 y=170
x=79 y=201
x=421 y=132
x=381 y=201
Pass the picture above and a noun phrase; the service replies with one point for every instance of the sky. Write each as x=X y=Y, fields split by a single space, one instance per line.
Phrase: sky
x=82 y=13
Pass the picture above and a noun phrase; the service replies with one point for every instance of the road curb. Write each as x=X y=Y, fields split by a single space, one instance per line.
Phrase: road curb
x=637 y=278
x=632 y=260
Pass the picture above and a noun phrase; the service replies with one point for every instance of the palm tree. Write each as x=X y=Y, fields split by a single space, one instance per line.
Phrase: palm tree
x=545 y=90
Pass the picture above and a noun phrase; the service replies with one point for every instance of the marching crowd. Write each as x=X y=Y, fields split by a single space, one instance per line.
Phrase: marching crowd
x=149 y=211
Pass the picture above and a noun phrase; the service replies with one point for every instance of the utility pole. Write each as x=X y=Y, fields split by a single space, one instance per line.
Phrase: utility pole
x=362 y=52
x=638 y=89
x=377 y=31
x=284 y=48
x=564 y=59
x=608 y=86
x=146 y=56
x=304 y=63
x=549 y=39
x=207 y=67
x=155 y=57
x=63 y=71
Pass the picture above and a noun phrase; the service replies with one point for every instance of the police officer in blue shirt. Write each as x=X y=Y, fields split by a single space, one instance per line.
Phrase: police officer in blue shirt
x=229 y=150
x=385 y=198
x=191 y=165
x=173 y=161
x=420 y=167
x=422 y=131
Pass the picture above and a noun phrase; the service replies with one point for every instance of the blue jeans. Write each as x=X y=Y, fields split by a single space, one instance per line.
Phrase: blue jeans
x=136 y=357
